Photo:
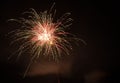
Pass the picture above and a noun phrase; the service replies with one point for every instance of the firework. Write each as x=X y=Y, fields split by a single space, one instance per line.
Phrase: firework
x=40 y=34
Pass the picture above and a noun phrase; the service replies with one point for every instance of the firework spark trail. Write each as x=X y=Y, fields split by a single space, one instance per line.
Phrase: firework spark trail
x=40 y=34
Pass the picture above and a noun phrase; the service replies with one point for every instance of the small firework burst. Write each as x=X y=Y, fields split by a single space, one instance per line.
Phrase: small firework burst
x=41 y=35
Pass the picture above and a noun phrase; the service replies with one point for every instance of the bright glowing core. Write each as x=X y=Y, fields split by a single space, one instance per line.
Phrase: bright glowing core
x=44 y=37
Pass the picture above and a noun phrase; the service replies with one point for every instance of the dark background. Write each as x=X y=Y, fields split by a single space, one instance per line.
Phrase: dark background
x=92 y=22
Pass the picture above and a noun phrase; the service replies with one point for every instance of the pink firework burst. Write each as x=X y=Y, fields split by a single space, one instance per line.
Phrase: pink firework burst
x=39 y=34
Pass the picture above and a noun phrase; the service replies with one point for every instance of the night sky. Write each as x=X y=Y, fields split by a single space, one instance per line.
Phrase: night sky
x=96 y=62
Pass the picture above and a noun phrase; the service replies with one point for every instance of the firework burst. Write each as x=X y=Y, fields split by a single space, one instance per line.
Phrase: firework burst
x=40 y=34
